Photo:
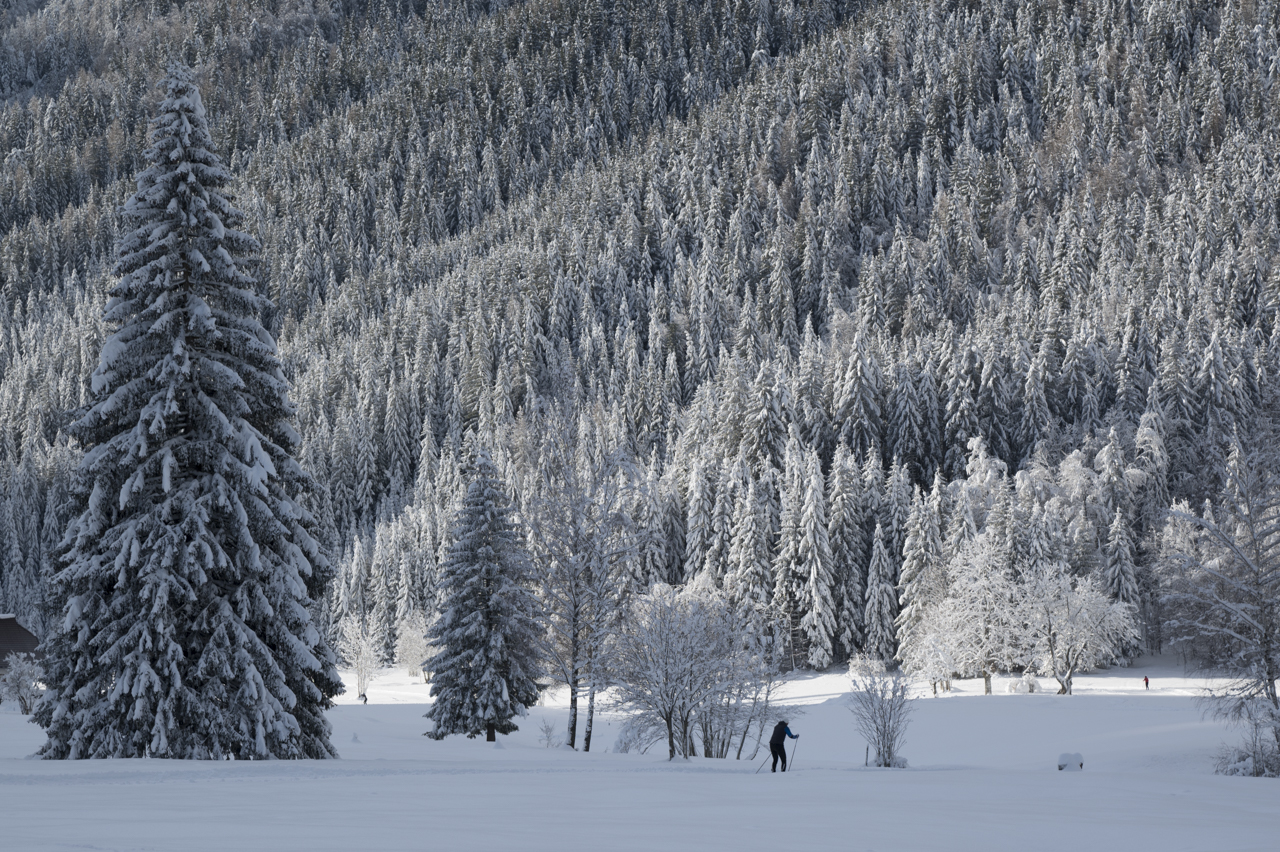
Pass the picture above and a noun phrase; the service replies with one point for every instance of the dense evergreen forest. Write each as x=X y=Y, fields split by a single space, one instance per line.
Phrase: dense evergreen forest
x=843 y=293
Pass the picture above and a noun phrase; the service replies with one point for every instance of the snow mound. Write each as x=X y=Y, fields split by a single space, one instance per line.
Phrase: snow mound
x=1071 y=761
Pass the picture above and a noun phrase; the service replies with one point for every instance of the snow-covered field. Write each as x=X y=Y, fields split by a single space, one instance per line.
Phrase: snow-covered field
x=982 y=777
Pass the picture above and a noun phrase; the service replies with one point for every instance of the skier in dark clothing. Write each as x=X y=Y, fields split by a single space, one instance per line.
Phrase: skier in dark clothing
x=778 y=744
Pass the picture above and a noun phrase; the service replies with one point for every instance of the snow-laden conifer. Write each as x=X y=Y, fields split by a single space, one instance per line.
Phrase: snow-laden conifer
x=789 y=579
x=1121 y=579
x=882 y=601
x=814 y=558
x=185 y=631
x=486 y=636
x=848 y=549
x=650 y=564
x=923 y=580
x=700 y=505
x=750 y=580
x=720 y=539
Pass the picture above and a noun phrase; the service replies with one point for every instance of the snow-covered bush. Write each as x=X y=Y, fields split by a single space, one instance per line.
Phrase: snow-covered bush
x=639 y=733
x=21 y=683
x=881 y=708
x=1024 y=685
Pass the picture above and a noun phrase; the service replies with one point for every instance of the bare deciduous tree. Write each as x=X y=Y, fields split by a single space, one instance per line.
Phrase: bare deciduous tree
x=1223 y=569
x=682 y=667
x=580 y=537
x=881 y=708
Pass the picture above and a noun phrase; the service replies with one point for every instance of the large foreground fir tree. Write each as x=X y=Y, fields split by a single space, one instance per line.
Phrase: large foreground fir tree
x=487 y=635
x=184 y=590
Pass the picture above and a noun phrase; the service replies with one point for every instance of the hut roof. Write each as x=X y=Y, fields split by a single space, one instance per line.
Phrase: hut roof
x=14 y=639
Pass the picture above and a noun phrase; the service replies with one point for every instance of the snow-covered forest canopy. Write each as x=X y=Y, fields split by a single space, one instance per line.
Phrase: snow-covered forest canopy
x=886 y=316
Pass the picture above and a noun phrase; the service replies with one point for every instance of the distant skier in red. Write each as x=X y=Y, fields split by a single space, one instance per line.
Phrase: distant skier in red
x=1146 y=684
x=778 y=744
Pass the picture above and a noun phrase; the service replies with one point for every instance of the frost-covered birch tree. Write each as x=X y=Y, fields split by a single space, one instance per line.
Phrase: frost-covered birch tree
x=582 y=540
x=187 y=575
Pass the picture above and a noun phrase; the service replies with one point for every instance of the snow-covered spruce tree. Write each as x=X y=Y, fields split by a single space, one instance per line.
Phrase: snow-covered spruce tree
x=486 y=635
x=845 y=535
x=789 y=580
x=186 y=578
x=882 y=601
x=923 y=582
x=813 y=552
x=750 y=578
x=1120 y=580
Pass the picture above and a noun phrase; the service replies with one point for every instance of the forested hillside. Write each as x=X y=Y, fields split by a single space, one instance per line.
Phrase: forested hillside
x=854 y=290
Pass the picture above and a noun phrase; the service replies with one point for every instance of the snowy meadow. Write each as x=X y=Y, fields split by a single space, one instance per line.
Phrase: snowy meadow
x=627 y=367
x=982 y=776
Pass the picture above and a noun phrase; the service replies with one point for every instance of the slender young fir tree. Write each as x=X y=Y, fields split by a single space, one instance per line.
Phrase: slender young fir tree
x=1120 y=580
x=813 y=553
x=750 y=578
x=789 y=579
x=848 y=550
x=921 y=584
x=698 y=531
x=486 y=634
x=882 y=601
x=187 y=575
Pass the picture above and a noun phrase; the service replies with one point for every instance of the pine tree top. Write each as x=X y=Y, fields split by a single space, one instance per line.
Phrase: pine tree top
x=185 y=228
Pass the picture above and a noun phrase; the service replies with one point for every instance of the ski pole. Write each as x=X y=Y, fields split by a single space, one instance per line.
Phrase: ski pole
x=793 y=753
x=761 y=766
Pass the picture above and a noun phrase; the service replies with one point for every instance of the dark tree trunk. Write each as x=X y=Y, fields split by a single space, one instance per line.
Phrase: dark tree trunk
x=491 y=733
x=591 y=716
x=575 y=684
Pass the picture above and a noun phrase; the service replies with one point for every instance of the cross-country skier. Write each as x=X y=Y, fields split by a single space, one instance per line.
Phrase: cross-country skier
x=778 y=744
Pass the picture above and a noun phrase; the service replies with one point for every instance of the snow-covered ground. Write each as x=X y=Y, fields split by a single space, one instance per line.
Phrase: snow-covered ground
x=982 y=777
